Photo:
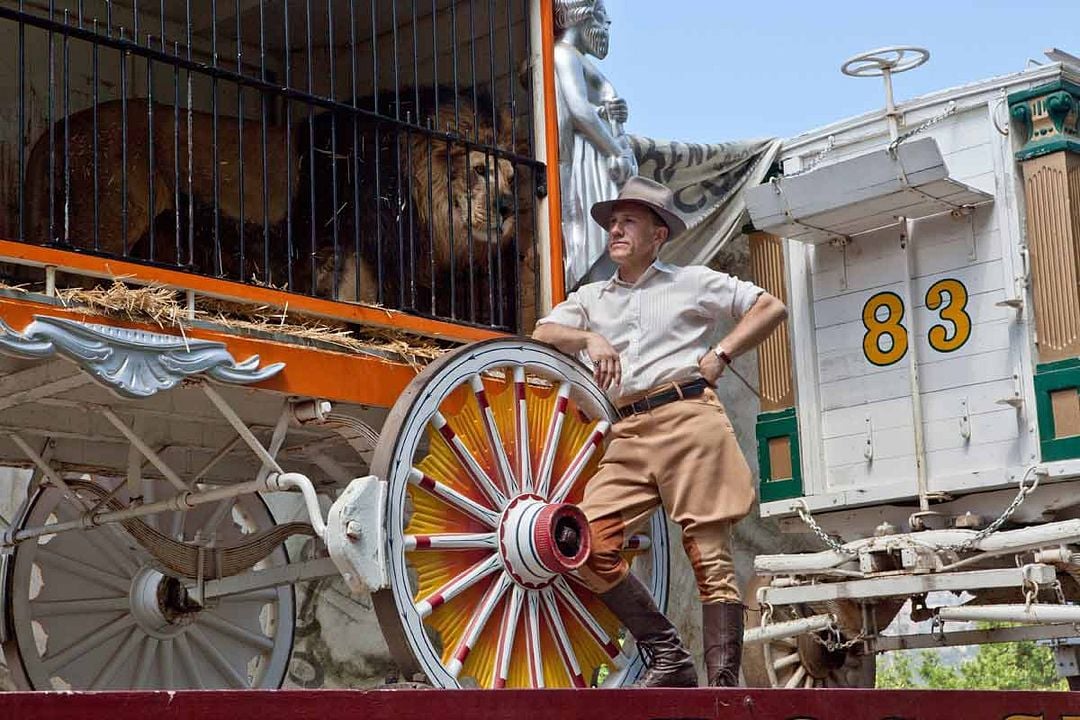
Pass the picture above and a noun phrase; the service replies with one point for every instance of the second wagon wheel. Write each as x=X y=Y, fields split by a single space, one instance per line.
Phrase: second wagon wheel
x=485 y=454
x=92 y=609
x=811 y=660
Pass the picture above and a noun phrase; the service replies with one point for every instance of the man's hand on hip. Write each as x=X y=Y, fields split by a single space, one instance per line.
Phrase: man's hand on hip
x=711 y=367
x=607 y=366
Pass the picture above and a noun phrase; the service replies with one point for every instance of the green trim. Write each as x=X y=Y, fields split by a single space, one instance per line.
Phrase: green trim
x=1059 y=84
x=1047 y=119
x=1034 y=150
x=1060 y=375
x=782 y=423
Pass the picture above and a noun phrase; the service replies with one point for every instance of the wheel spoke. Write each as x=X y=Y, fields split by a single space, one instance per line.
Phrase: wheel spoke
x=477 y=624
x=210 y=527
x=583 y=616
x=521 y=430
x=562 y=639
x=51 y=608
x=452 y=497
x=146 y=657
x=551 y=440
x=786 y=661
x=106 y=540
x=187 y=662
x=451 y=541
x=168 y=670
x=218 y=660
x=809 y=682
x=94 y=574
x=468 y=461
x=581 y=459
x=458 y=584
x=494 y=437
x=507 y=630
x=108 y=671
x=532 y=640
x=638 y=542
x=248 y=637
x=81 y=647
x=796 y=677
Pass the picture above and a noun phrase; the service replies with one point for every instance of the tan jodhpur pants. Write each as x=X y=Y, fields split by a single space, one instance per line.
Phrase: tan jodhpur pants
x=684 y=456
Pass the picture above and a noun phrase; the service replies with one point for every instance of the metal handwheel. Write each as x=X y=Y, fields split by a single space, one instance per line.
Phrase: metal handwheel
x=485 y=454
x=893 y=59
x=93 y=610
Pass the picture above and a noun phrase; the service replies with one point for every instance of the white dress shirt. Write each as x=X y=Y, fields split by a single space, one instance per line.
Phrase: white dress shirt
x=661 y=326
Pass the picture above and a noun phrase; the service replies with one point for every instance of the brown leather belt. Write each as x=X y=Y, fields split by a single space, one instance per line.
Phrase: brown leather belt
x=689 y=389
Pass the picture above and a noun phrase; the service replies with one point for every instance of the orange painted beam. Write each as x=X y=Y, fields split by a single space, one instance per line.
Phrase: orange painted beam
x=95 y=266
x=551 y=128
x=345 y=376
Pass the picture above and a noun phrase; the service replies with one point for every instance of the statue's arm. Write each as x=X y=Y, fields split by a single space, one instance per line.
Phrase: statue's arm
x=574 y=89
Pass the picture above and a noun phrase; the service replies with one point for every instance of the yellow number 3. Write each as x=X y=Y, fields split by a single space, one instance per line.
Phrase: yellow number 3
x=889 y=327
x=952 y=310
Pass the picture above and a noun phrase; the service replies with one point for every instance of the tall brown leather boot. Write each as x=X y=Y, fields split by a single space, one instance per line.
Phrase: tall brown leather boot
x=669 y=663
x=722 y=633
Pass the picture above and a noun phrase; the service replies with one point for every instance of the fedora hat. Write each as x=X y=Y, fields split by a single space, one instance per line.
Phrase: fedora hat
x=649 y=193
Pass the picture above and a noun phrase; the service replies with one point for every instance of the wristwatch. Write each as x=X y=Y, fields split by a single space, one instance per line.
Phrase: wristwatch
x=720 y=353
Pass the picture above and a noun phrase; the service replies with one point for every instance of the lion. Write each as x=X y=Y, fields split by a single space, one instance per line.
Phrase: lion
x=162 y=167
x=443 y=206
x=369 y=211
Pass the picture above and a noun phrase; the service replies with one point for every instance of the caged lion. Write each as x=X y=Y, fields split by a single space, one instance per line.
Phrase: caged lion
x=436 y=215
x=348 y=206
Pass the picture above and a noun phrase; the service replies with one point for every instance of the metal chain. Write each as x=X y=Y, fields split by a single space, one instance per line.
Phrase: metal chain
x=993 y=527
x=829 y=144
x=807 y=518
x=834 y=641
x=949 y=110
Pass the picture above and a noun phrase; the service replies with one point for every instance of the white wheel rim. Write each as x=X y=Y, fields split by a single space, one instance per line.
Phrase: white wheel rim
x=893 y=59
x=80 y=593
x=515 y=616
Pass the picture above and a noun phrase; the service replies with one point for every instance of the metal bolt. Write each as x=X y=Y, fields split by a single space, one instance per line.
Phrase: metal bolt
x=353 y=530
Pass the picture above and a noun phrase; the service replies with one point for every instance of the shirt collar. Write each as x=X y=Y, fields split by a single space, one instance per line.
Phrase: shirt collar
x=657 y=265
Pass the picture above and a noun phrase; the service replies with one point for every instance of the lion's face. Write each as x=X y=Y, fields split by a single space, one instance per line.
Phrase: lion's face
x=472 y=200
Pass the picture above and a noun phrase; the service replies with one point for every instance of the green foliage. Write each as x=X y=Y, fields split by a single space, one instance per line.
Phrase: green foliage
x=1003 y=666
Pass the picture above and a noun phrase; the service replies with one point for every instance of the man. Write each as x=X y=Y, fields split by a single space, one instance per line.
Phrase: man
x=595 y=156
x=646 y=331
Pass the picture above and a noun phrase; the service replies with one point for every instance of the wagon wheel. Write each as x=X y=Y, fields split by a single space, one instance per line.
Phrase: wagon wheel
x=806 y=662
x=485 y=453
x=92 y=610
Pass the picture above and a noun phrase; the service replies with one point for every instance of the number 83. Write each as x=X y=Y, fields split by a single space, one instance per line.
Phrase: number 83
x=948 y=297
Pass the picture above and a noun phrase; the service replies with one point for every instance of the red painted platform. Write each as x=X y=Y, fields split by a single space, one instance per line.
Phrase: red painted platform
x=519 y=704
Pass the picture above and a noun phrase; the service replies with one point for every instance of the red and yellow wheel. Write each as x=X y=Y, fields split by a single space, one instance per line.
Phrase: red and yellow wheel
x=485 y=455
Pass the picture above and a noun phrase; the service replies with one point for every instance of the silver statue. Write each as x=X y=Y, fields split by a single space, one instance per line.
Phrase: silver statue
x=595 y=155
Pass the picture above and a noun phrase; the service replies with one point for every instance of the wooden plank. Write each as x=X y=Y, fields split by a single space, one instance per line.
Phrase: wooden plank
x=643 y=704
x=887 y=444
x=899 y=471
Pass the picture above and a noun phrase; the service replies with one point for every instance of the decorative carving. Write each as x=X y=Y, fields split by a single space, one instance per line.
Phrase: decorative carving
x=132 y=363
x=1052 y=191
x=1048 y=118
x=774 y=355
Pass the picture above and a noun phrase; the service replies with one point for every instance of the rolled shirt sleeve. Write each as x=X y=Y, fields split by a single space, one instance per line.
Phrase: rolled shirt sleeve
x=722 y=293
x=570 y=312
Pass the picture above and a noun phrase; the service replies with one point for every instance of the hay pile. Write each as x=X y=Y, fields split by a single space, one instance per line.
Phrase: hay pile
x=163 y=307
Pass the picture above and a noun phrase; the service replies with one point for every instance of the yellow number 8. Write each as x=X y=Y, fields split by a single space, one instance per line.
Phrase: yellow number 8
x=953 y=312
x=890 y=326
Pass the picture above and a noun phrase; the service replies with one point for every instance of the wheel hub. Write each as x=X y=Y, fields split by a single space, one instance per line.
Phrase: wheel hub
x=539 y=541
x=160 y=604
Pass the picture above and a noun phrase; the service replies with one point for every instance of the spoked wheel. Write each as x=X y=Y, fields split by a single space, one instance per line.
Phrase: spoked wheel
x=806 y=661
x=486 y=454
x=93 y=609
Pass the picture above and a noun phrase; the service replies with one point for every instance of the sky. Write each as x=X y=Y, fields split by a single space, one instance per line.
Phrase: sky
x=716 y=70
